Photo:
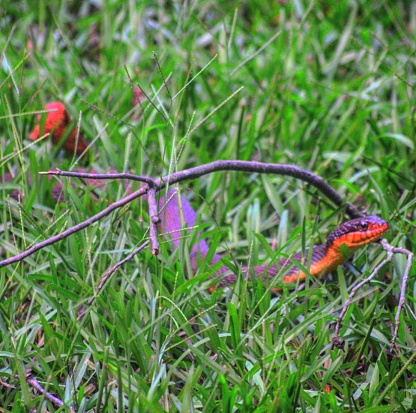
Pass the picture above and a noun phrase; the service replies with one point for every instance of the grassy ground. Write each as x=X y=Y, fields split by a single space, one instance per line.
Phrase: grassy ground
x=323 y=85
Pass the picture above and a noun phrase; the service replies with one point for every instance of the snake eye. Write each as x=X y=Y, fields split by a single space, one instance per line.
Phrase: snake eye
x=363 y=225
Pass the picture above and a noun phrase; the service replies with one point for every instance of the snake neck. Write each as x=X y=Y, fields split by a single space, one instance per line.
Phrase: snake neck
x=323 y=260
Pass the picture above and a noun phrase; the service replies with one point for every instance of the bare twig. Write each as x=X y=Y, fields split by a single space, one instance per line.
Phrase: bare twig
x=146 y=179
x=113 y=269
x=232 y=165
x=187 y=174
x=154 y=185
x=263 y=168
x=405 y=279
x=108 y=275
x=154 y=220
x=74 y=229
x=39 y=388
x=337 y=341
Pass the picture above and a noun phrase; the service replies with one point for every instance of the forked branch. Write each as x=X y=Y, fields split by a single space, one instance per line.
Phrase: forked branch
x=337 y=341
x=154 y=185
x=188 y=174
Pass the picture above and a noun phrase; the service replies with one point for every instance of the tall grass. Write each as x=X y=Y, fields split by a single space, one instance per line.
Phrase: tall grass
x=328 y=87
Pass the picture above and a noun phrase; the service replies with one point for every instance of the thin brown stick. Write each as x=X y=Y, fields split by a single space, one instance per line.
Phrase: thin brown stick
x=263 y=168
x=193 y=173
x=155 y=185
x=113 y=269
x=108 y=275
x=154 y=220
x=231 y=165
x=39 y=388
x=339 y=342
x=74 y=229
x=403 y=289
x=131 y=177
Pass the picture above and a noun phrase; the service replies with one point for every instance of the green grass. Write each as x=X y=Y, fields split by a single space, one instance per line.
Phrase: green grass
x=326 y=86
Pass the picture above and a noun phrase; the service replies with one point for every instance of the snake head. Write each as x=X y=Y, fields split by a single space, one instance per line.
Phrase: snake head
x=358 y=232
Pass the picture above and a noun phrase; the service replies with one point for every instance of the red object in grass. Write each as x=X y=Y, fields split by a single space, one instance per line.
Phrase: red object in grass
x=137 y=96
x=56 y=125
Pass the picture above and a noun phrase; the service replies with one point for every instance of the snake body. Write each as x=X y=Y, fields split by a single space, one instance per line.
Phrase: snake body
x=341 y=243
x=178 y=214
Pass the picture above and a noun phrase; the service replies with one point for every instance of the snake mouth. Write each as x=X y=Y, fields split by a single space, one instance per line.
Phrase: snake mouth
x=358 y=232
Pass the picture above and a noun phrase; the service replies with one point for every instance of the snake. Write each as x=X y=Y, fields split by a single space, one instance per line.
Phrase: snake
x=178 y=214
x=178 y=217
